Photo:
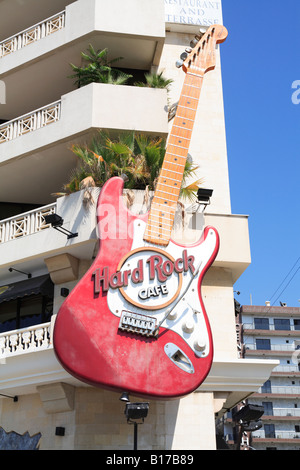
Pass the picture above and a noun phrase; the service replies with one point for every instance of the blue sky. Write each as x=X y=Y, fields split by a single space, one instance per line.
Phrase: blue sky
x=260 y=62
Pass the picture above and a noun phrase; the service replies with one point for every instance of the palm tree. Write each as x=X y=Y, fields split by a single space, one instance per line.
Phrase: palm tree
x=98 y=69
x=138 y=156
x=155 y=80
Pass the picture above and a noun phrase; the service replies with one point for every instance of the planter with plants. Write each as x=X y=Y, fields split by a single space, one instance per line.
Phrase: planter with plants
x=138 y=157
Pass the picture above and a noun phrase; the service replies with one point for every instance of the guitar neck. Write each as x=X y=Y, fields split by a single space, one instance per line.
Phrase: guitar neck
x=163 y=207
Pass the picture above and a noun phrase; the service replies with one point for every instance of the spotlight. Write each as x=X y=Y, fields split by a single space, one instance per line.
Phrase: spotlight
x=136 y=411
x=249 y=417
x=249 y=413
x=203 y=197
x=124 y=397
x=56 y=221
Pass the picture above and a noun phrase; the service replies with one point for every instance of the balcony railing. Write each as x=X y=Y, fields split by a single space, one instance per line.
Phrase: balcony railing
x=25 y=340
x=32 y=34
x=271 y=327
x=282 y=390
x=284 y=412
x=25 y=224
x=273 y=347
x=276 y=435
x=287 y=369
x=30 y=122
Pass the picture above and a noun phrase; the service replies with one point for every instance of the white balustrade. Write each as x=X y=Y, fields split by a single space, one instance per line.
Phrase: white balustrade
x=25 y=224
x=32 y=34
x=30 y=122
x=276 y=435
x=25 y=340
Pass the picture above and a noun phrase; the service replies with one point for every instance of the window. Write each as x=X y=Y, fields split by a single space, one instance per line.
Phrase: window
x=263 y=344
x=268 y=408
x=269 y=430
x=24 y=312
x=261 y=323
x=266 y=388
x=282 y=324
x=296 y=324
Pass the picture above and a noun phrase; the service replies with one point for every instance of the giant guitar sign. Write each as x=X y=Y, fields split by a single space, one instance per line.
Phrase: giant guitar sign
x=136 y=321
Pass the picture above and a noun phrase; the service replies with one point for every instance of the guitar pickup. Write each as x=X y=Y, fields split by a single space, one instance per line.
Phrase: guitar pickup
x=138 y=324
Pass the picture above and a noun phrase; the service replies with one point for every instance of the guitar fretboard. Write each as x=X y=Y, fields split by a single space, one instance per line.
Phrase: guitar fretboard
x=164 y=204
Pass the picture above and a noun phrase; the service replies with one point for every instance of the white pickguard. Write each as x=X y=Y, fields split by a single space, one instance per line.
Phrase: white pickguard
x=186 y=317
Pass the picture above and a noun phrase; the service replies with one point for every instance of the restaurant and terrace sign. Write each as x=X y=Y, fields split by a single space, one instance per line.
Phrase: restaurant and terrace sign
x=193 y=12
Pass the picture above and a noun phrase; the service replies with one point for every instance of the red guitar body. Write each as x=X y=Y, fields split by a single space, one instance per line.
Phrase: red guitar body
x=88 y=340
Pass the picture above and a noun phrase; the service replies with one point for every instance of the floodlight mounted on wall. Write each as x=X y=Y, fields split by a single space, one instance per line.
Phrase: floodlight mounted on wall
x=56 y=221
x=203 y=197
x=249 y=416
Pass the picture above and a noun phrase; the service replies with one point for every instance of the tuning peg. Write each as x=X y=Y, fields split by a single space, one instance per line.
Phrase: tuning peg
x=183 y=56
x=202 y=31
x=193 y=43
x=179 y=63
x=188 y=50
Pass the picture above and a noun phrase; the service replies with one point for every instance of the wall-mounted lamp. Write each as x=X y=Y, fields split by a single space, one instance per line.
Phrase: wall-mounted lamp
x=248 y=417
x=56 y=221
x=22 y=272
x=203 y=197
x=15 y=398
x=64 y=292
x=59 y=431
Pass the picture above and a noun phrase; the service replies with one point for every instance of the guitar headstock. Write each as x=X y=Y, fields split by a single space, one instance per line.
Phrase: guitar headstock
x=201 y=57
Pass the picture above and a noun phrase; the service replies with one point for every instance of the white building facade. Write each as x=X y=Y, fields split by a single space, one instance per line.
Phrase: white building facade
x=42 y=115
x=273 y=332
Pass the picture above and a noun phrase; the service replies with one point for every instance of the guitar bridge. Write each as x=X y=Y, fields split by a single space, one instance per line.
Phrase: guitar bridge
x=138 y=324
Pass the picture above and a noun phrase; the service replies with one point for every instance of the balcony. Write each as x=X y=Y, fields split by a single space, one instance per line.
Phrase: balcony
x=35 y=147
x=27 y=361
x=32 y=34
x=39 y=55
x=26 y=240
x=280 y=349
x=234 y=252
x=25 y=340
x=274 y=330
x=277 y=391
x=276 y=436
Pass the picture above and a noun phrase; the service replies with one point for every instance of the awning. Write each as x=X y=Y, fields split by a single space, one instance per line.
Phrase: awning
x=37 y=285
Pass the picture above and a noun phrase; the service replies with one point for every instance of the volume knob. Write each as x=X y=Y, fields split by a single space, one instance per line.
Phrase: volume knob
x=188 y=326
x=199 y=344
x=172 y=316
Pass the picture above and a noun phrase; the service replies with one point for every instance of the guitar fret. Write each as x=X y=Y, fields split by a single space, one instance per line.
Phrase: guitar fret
x=169 y=186
x=165 y=199
x=193 y=86
x=182 y=117
x=195 y=74
x=175 y=135
x=175 y=163
x=191 y=97
x=159 y=234
x=167 y=192
x=173 y=171
x=160 y=219
x=179 y=146
x=160 y=230
x=185 y=128
x=185 y=107
x=164 y=208
x=169 y=178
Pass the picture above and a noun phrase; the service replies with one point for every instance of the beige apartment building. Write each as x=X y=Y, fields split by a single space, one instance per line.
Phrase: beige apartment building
x=42 y=115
